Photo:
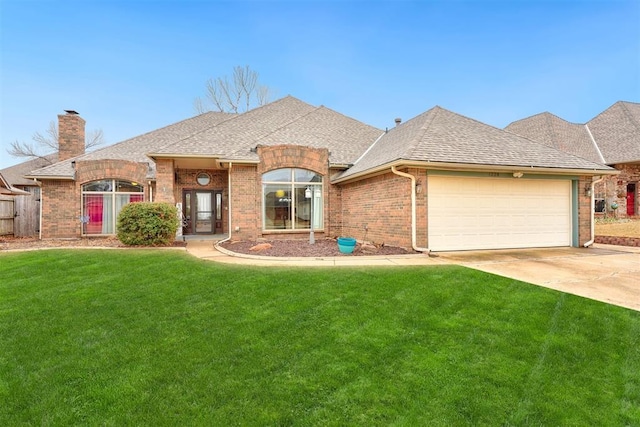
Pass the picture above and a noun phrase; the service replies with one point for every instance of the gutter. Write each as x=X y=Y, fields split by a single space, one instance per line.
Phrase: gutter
x=593 y=214
x=473 y=167
x=40 y=209
x=413 y=209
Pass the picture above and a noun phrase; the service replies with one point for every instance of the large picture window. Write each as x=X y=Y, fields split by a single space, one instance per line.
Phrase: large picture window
x=292 y=200
x=102 y=201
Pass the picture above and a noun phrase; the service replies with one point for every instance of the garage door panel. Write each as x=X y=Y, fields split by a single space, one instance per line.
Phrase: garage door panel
x=492 y=213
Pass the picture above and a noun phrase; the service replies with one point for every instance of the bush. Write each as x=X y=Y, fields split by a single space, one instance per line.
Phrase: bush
x=147 y=224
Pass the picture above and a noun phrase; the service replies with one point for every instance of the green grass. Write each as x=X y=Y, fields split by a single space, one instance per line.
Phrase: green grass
x=143 y=337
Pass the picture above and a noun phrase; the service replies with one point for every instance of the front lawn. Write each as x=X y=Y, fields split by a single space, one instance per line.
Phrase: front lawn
x=627 y=227
x=143 y=337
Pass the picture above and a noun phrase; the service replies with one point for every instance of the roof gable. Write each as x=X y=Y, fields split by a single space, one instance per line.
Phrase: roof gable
x=558 y=133
x=285 y=121
x=617 y=132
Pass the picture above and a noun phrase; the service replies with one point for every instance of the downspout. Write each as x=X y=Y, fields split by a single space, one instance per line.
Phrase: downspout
x=40 y=215
x=413 y=209
x=593 y=214
x=228 y=205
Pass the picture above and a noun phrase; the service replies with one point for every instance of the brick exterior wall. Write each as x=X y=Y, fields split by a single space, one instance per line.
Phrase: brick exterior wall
x=70 y=136
x=62 y=200
x=165 y=181
x=378 y=209
x=584 y=211
x=614 y=189
x=245 y=203
x=60 y=205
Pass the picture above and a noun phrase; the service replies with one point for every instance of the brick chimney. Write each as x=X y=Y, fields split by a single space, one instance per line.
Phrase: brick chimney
x=70 y=135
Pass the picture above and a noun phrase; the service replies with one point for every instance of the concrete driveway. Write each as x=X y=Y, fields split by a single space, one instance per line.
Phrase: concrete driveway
x=603 y=272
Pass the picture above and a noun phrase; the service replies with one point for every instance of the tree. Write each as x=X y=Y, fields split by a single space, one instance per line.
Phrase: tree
x=236 y=95
x=43 y=145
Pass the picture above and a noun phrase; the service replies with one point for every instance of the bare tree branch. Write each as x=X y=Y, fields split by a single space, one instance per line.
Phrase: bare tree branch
x=93 y=139
x=43 y=145
x=236 y=95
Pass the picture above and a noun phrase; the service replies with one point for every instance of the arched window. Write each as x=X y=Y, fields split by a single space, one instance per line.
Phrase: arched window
x=292 y=200
x=102 y=201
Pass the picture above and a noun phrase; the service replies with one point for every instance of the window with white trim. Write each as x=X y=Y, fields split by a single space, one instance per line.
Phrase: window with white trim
x=292 y=199
x=102 y=201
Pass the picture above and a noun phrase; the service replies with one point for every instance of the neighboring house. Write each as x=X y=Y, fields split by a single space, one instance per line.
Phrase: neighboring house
x=25 y=197
x=439 y=181
x=611 y=138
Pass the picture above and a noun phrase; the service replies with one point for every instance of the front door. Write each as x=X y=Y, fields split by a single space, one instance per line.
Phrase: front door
x=202 y=210
x=631 y=199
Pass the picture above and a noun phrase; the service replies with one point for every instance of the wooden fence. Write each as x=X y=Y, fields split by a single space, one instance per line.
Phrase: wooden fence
x=20 y=215
x=6 y=215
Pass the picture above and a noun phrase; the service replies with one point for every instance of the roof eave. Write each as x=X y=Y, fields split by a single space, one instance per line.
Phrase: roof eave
x=468 y=167
x=218 y=158
x=51 y=177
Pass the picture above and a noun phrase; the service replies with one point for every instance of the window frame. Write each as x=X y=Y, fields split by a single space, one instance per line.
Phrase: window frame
x=287 y=180
x=111 y=207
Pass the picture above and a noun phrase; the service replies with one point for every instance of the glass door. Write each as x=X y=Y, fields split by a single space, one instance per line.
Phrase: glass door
x=199 y=212
x=204 y=211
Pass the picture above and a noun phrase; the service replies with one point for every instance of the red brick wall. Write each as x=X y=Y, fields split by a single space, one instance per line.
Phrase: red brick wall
x=61 y=200
x=245 y=203
x=165 y=181
x=382 y=204
x=70 y=136
x=93 y=170
x=620 y=241
x=584 y=211
x=60 y=205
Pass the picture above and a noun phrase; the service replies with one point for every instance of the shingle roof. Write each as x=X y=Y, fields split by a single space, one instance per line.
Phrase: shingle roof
x=9 y=190
x=617 y=132
x=442 y=136
x=136 y=148
x=555 y=132
x=286 y=121
x=15 y=174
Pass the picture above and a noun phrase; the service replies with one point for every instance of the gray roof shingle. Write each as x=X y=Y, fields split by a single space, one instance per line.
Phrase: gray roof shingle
x=441 y=136
x=617 y=132
x=558 y=133
x=15 y=175
x=286 y=121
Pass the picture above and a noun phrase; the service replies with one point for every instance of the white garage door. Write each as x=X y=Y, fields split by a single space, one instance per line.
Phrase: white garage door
x=494 y=213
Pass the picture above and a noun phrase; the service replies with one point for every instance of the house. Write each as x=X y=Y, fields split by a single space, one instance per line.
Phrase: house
x=439 y=181
x=611 y=138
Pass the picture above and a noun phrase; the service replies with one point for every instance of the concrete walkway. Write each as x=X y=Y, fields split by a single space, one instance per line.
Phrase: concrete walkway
x=604 y=273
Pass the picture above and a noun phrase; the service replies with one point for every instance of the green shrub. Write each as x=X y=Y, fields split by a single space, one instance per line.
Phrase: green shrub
x=147 y=224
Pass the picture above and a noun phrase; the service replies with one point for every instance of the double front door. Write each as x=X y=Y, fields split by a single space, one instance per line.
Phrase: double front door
x=202 y=212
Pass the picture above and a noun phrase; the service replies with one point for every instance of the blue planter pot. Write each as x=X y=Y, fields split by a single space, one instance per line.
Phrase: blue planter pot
x=346 y=245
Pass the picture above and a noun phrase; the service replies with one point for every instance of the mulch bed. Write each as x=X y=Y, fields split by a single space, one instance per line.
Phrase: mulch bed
x=302 y=248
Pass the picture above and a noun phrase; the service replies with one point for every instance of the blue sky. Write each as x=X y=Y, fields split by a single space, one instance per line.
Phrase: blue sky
x=133 y=66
